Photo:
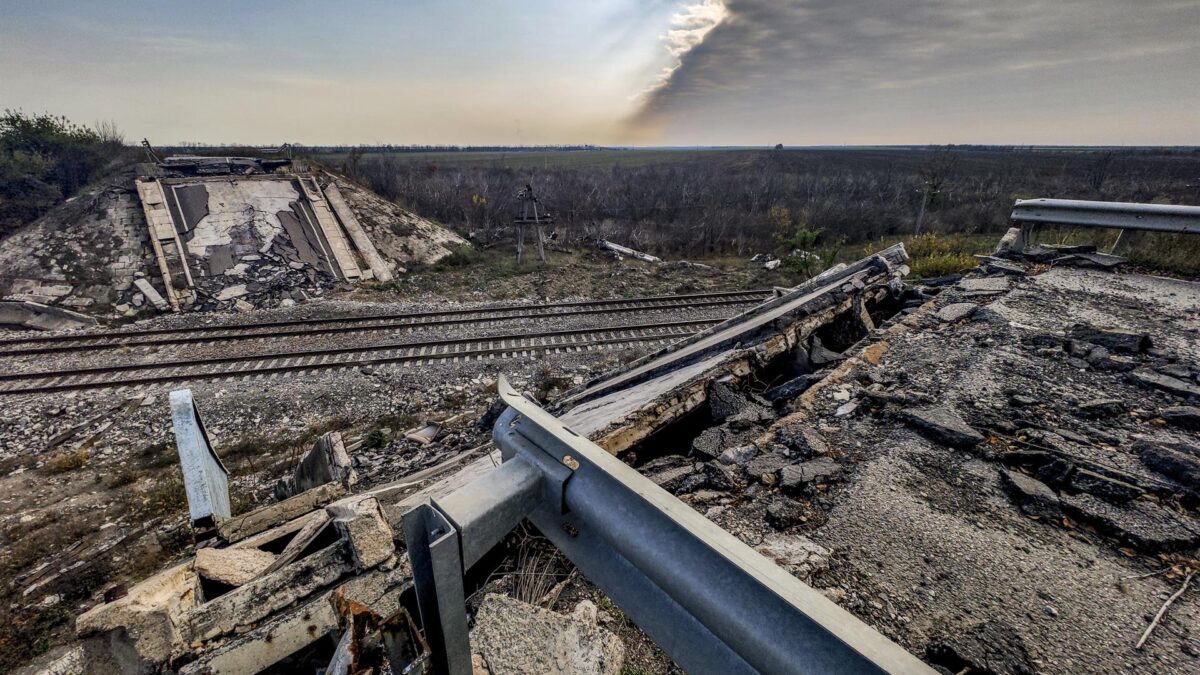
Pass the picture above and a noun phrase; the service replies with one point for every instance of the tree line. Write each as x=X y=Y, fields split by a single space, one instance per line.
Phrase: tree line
x=746 y=201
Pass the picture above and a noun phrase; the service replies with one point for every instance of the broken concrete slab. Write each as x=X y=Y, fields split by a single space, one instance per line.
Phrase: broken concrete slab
x=956 y=311
x=245 y=606
x=1141 y=524
x=326 y=462
x=765 y=468
x=511 y=637
x=819 y=470
x=38 y=316
x=1150 y=378
x=943 y=425
x=1183 y=416
x=1178 y=461
x=1124 y=341
x=1034 y=497
x=147 y=618
x=239 y=527
x=232 y=566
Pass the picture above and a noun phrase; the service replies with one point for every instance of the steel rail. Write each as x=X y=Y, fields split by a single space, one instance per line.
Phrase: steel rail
x=116 y=341
x=550 y=309
x=1121 y=215
x=430 y=350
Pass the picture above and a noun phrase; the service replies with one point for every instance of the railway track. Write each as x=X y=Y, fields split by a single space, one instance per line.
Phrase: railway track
x=407 y=353
x=375 y=323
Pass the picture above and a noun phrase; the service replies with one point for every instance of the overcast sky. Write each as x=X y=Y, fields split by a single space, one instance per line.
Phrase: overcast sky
x=696 y=72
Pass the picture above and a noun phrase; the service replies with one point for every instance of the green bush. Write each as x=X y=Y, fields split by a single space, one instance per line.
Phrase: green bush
x=44 y=159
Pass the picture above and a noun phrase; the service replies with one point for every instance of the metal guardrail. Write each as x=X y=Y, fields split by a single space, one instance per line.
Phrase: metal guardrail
x=709 y=600
x=1122 y=215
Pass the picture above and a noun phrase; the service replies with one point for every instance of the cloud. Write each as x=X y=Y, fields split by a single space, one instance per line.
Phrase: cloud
x=747 y=55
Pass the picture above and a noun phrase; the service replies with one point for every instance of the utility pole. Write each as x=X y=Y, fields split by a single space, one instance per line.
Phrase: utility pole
x=529 y=216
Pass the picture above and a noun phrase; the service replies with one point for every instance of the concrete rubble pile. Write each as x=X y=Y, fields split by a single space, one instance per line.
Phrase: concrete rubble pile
x=226 y=234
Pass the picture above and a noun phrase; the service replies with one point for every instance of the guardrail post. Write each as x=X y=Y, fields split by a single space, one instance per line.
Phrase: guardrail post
x=205 y=478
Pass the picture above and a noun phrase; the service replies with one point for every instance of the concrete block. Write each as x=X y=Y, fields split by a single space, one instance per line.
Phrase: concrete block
x=360 y=521
x=140 y=630
x=326 y=462
x=152 y=295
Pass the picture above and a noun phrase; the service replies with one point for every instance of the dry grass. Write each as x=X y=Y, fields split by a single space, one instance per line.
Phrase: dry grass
x=68 y=460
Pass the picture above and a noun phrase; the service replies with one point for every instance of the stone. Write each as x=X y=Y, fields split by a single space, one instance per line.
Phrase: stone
x=802 y=440
x=797 y=555
x=713 y=441
x=668 y=472
x=1178 y=461
x=721 y=477
x=739 y=455
x=724 y=402
x=1104 y=487
x=820 y=355
x=846 y=409
x=232 y=566
x=1166 y=383
x=231 y=292
x=511 y=637
x=1124 y=341
x=784 y=513
x=819 y=470
x=1101 y=407
x=1034 y=497
x=243 y=306
x=956 y=311
x=361 y=521
x=1011 y=243
x=792 y=388
x=1184 y=416
x=943 y=425
x=985 y=285
x=765 y=468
